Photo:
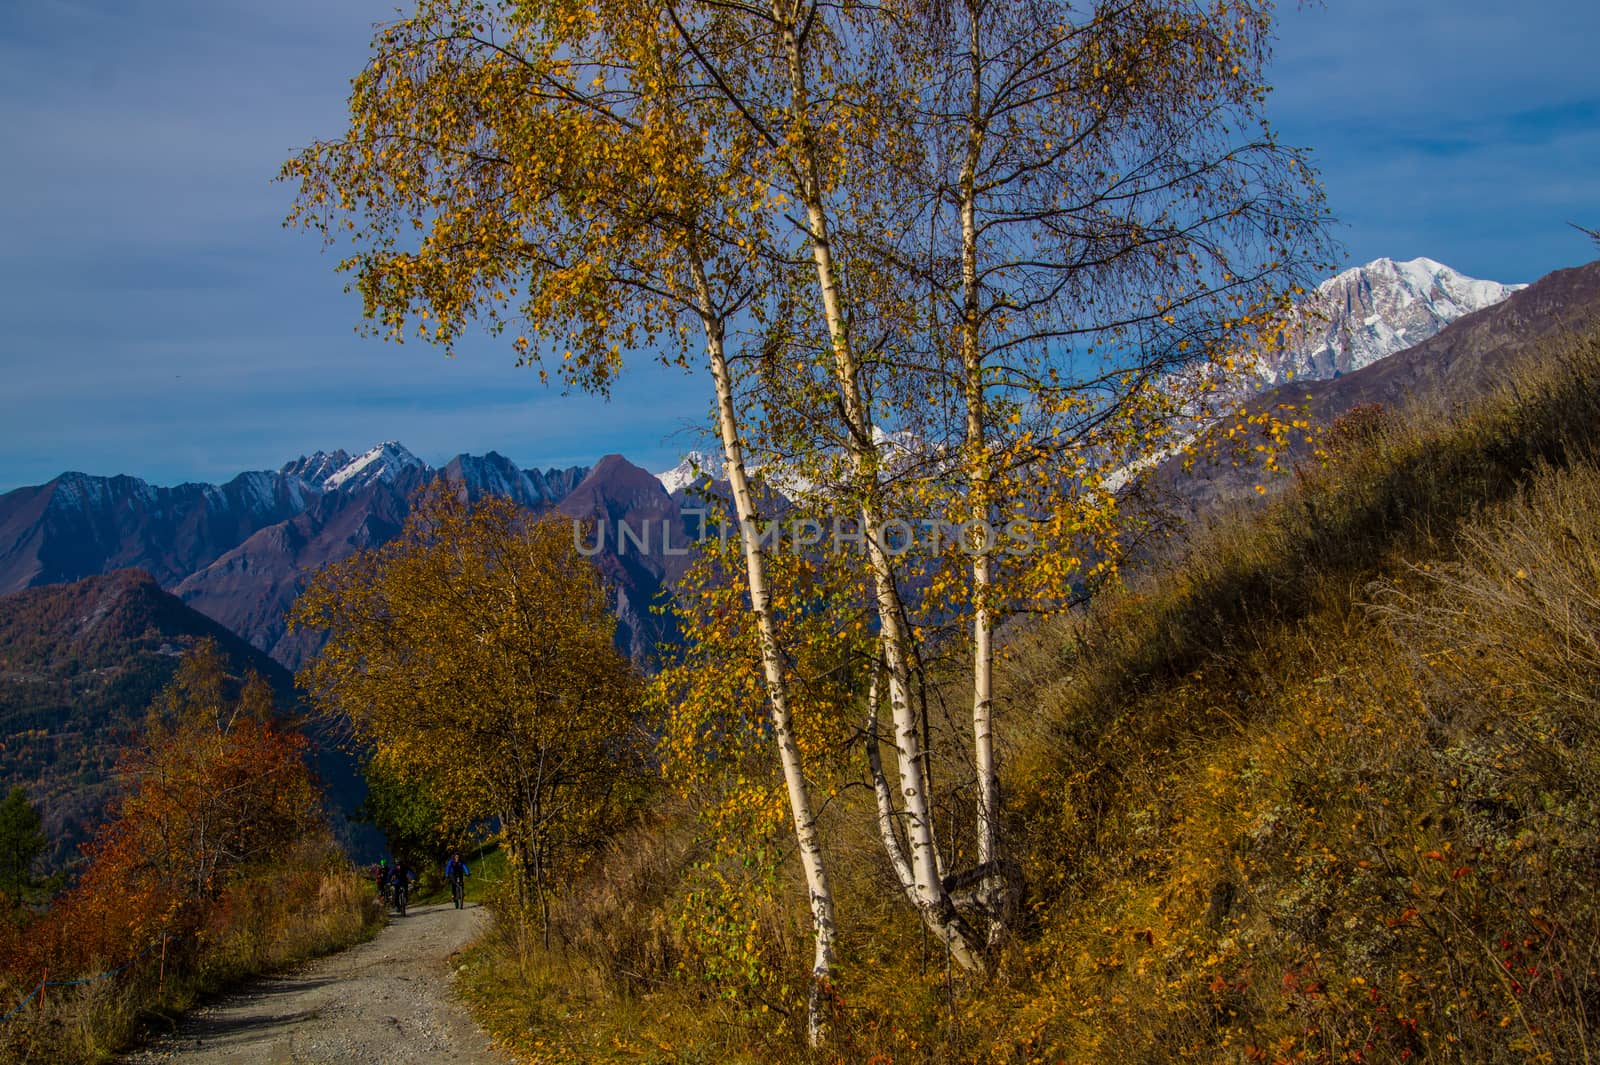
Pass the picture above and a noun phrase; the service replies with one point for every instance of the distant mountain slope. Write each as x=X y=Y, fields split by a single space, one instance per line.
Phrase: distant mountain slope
x=642 y=569
x=239 y=552
x=79 y=665
x=78 y=525
x=1471 y=357
x=251 y=587
x=1468 y=359
x=1367 y=313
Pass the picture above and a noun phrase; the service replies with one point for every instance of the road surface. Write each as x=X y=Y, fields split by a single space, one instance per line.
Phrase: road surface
x=384 y=1002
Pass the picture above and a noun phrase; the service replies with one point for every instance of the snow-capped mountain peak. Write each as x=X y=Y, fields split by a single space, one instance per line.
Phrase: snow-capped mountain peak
x=385 y=463
x=495 y=475
x=695 y=464
x=1366 y=313
x=316 y=467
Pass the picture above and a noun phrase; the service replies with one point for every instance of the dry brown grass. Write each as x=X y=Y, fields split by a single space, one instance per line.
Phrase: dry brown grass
x=1328 y=789
x=266 y=920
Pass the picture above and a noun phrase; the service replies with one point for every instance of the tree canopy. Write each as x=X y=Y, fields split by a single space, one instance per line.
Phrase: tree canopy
x=955 y=261
x=472 y=656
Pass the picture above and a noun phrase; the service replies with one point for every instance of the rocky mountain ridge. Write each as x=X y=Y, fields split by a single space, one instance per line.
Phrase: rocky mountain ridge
x=240 y=552
x=1488 y=350
x=1370 y=312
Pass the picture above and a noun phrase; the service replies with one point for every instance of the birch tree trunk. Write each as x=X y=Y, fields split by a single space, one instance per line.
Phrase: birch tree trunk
x=807 y=838
x=979 y=474
x=927 y=886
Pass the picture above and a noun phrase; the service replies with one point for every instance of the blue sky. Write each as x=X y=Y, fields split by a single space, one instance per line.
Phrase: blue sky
x=158 y=321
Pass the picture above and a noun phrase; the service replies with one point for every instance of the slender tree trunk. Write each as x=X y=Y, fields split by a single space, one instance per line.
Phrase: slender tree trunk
x=807 y=837
x=980 y=473
x=882 y=793
x=931 y=897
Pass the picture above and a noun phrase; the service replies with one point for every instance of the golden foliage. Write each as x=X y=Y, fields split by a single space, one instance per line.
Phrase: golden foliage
x=473 y=655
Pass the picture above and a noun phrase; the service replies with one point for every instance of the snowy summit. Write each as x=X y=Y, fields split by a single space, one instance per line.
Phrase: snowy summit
x=695 y=464
x=382 y=463
x=1369 y=312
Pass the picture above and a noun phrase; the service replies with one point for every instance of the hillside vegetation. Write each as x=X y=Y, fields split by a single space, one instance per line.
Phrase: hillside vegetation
x=215 y=863
x=80 y=664
x=1325 y=789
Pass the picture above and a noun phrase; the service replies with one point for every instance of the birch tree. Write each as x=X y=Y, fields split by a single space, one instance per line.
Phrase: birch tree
x=1005 y=226
x=1107 y=229
x=552 y=171
x=1066 y=226
x=1070 y=233
x=794 y=80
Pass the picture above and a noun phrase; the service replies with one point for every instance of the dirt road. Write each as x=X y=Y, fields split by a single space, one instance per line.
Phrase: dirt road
x=387 y=1001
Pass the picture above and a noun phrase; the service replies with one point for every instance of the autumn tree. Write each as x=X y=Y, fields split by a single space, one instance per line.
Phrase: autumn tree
x=1098 y=229
x=1041 y=237
x=217 y=782
x=564 y=173
x=215 y=858
x=408 y=811
x=473 y=655
x=216 y=788
x=1006 y=224
x=715 y=747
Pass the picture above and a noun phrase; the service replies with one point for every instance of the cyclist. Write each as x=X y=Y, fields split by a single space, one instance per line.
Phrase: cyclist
x=384 y=876
x=402 y=878
x=456 y=871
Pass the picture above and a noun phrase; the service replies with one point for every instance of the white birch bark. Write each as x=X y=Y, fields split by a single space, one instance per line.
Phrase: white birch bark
x=884 y=796
x=807 y=838
x=931 y=898
x=979 y=475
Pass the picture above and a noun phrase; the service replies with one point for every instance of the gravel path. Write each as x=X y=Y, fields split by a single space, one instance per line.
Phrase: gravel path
x=387 y=1002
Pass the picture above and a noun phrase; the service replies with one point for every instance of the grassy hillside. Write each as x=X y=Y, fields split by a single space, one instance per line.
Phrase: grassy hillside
x=79 y=664
x=1326 y=789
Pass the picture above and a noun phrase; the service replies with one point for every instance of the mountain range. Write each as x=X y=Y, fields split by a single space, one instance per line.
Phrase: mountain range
x=240 y=552
x=226 y=559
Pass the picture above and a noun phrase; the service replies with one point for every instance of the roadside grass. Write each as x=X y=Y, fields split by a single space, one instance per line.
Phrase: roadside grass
x=266 y=920
x=1324 y=789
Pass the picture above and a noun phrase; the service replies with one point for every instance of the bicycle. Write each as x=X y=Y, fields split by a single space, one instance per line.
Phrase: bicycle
x=458 y=891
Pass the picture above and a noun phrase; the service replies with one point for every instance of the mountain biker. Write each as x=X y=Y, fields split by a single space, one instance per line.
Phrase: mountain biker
x=402 y=878
x=383 y=876
x=456 y=871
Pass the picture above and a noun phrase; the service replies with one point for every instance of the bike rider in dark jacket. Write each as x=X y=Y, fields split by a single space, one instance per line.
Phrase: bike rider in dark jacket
x=401 y=880
x=383 y=876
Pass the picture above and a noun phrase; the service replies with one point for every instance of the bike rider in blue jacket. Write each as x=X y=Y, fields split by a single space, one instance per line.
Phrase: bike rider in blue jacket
x=456 y=872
